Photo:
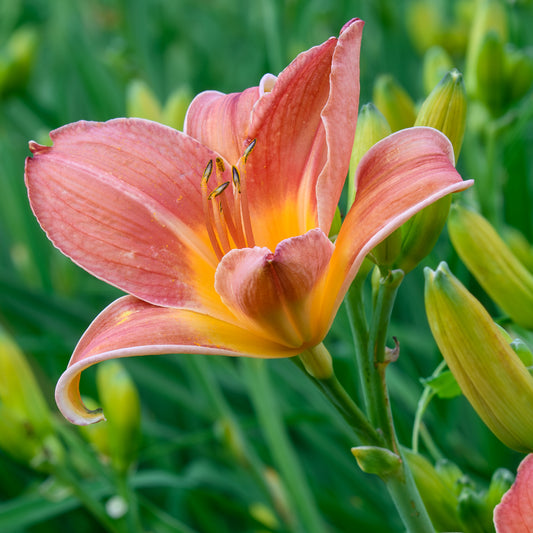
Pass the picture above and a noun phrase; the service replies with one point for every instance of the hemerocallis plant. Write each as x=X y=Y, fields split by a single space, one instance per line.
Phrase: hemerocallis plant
x=219 y=234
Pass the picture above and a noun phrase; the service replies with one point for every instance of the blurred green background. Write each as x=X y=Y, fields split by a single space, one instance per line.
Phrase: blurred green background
x=62 y=61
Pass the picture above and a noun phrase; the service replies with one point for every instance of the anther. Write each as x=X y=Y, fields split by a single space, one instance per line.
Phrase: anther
x=207 y=171
x=249 y=149
x=236 y=179
x=219 y=190
x=220 y=164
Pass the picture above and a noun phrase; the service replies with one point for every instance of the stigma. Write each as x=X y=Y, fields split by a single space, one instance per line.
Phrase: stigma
x=225 y=205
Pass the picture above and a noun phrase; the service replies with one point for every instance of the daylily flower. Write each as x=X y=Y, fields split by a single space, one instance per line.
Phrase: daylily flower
x=514 y=514
x=220 y=234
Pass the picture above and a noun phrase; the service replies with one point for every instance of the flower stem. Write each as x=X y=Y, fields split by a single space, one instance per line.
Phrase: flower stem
x=373 y=358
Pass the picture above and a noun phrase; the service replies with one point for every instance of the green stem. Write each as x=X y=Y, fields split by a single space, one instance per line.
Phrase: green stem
x=284 y=455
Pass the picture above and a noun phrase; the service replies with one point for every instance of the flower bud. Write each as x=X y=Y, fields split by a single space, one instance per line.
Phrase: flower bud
x=518 y=72
x=500 y=483
x=424 y=24
x=394 y=102
x=176 y=108
x=141 y=102
x=437 y=62
x=490 y=374
x=375 y=460
x=490 y=16
x=520 y=246
x=120 y=402
x=445 y=109
x=25 y=420
x=490 y=73
x=438 y=492
x=372 y=126
x=492 y=263
x=17 y=59
x=473 y=512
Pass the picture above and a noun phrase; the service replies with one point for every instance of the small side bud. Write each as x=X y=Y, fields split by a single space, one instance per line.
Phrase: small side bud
x=394 y=102
x=492 y=263
x=518 y=72
x=175 y=109
x=317 y=362
x=375 y=460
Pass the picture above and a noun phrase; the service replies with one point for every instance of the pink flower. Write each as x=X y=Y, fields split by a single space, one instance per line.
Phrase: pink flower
x=514 y=514
x=220 y=234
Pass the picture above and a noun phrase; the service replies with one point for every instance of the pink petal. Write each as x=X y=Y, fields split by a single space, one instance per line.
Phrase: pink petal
x=399 y=176
x=273 y=293
x=304 y=131
x=221 y=121
x=131 y=327
x=514 y=514
x=122 y=199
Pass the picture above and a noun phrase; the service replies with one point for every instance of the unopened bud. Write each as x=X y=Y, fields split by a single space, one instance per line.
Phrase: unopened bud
x=492 y=263
x=437 y=62
x=490 y=374
x=519 y=73
x=473 y=512
x=141 y=102
x=317 y=362
x=490 y=73
x=120 y=401
x=372 y=126
x=375 y=460
x=445 y=109
x=438 y=493
x=176 y=108
x=394 y=102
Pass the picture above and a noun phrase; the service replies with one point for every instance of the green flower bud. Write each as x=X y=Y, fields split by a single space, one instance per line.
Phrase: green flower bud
x=490 y=16
x=394 y=102
x=176 y=108
x=438 y=493
x=424 y=24
x=121 y=405
x=17 y=59
x=25 y=420
x=473 y=512
x=141 y=102
x=495 y=267
x=520 y=246
x=445 y=109
x=421 y=232
x=437 y=62
x=501 y=482
x=490 y=374
x=375 y=460
x=490 y=73
x=372 y=126
x=518 y=72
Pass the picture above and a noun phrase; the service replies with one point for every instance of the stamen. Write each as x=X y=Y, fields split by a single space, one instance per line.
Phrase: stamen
x=207 y=171
x=219 y=190
x=236 y=179
x=249 y=149
x=220 y=164
x=220 y=226
x=244 y=210
x=209 y=222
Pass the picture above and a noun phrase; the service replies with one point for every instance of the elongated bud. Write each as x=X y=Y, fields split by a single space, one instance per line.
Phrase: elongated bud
x=120 y=402
x=438 y=492
x=500 y=483
x=490 y=16
x=141 y=102
x=518 y=72
x=25 y=420
x=520 y=246
x=176 y=108
x=445 y=109
x=437 y=62
x=490 y=374
x=375 y=460
x=424 y=24
x=473 y=512
x=372 y=126
x=495 y=267
x=394 y=102
x=17 y=59
x=490 y=73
